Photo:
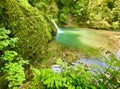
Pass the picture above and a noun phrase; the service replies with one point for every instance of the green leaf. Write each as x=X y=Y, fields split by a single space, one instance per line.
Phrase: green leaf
x=117 y=63
x=102 y=86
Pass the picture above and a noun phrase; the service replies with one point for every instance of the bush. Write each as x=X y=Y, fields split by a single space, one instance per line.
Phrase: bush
x=69 y=78
x=104 y=14
x=11 y=65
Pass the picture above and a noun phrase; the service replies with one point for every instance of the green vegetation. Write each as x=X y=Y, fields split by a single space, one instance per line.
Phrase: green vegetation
x=79 y=76
x=89 y=13
x=95 y=14
x=29 y=25
x=27 y=33
x=70 y=78
x=105 y=14
x=11 y=65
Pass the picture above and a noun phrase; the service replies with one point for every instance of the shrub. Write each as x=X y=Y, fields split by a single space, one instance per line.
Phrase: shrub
x=11 y=67
x=69 y=78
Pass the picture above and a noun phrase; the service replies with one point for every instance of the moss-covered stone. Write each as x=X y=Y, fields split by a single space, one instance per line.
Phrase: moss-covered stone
x=30 y=25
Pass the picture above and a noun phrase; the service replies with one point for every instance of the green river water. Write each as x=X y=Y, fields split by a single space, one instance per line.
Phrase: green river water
x=80 y=38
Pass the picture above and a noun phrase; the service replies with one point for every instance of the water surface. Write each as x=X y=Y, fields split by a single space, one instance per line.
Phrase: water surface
x=80 y=38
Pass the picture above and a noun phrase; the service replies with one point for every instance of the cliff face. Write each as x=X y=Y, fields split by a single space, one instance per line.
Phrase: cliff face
x=29 y=24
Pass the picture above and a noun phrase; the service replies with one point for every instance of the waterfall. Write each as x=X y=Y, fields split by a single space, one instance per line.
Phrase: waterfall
x=58 y=30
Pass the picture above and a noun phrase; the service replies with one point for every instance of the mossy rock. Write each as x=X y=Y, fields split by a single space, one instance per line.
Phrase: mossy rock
x=30 y=25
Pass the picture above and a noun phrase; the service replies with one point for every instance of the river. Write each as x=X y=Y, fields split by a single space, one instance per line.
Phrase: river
x=88 y=39
x=81 y=38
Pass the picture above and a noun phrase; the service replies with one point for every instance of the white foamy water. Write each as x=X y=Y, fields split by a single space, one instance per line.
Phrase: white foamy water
x=58 y=30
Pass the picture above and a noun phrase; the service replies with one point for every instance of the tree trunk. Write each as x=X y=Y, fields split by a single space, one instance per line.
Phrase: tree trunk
x=30 y=25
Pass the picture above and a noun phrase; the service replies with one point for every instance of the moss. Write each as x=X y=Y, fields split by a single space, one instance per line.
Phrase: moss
x=30 y=25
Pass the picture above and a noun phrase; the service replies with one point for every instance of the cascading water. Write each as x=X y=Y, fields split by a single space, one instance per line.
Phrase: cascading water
x=80 y=38
x=58 y=30
x=76 y=37
x=83 y=39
